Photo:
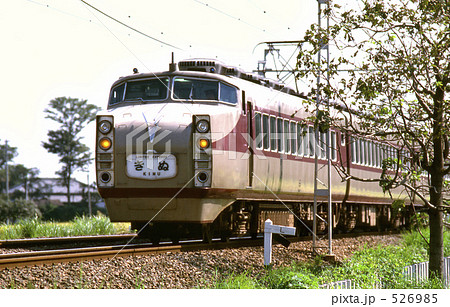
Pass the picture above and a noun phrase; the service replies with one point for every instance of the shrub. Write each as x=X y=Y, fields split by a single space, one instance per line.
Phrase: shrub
x=12 y=211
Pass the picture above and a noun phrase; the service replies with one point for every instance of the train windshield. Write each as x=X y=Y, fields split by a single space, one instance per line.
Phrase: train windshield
x=142 y=90
x=196 y=89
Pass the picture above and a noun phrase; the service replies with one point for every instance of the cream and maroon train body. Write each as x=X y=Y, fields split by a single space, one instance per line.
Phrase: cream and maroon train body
x=209 y=149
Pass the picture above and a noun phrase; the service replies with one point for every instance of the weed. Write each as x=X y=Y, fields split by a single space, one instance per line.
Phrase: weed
x=32 y=228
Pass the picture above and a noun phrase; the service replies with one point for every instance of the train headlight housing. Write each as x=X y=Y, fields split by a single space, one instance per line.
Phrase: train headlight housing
x=105 y=143
x=202 y=126
x=104 y=126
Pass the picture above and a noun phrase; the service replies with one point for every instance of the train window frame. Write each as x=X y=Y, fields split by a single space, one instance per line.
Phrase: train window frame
x=273 y=133
x=258 y=130
x=293 y=136
x=266 y=132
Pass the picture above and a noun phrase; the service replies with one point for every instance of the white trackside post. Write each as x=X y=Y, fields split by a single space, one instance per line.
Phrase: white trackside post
x=269 y=229
x=267 y=242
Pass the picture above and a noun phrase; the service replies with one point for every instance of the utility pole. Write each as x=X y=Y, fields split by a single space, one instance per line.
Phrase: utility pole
x=327 y=141
x=7 y=170
x=89 y=195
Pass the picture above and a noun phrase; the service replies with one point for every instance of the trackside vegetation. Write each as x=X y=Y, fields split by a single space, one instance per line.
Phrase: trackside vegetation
x=376 y=267
x=80 y=226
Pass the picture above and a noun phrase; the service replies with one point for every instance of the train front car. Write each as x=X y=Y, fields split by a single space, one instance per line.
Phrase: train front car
x=154 y=149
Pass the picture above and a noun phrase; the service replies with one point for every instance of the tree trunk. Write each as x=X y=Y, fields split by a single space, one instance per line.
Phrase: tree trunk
x=436 y=260
x=436 y=267
x=68 y=189
x=435 y=214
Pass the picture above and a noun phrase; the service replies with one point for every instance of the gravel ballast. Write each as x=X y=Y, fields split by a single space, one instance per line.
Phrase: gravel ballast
x=173 y=270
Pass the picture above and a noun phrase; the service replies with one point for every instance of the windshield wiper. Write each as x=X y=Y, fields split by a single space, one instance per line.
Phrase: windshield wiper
x=191 y=93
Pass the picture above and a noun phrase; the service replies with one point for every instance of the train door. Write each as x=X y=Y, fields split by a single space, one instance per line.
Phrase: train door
x=250 y=142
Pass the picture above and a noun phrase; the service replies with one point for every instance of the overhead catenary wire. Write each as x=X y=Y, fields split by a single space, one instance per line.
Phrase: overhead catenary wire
x=231 y=16
x=129 y=27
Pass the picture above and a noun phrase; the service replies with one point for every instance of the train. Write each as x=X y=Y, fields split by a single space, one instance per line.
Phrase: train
x=206 y=150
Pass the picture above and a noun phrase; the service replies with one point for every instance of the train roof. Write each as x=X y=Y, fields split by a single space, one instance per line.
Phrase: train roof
x=214 y=68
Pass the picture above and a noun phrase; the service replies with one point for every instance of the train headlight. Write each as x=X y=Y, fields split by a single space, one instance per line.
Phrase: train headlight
x=202 y=126
x=203 y=143
x=105 y=143
x=105 y=177
x=104 y=126
x=202 y=177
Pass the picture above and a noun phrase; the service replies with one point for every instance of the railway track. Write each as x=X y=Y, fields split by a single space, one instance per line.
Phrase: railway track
x=47 y=257
x=22 y=259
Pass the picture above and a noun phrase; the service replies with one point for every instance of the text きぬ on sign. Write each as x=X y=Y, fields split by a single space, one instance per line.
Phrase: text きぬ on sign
x=151 y=166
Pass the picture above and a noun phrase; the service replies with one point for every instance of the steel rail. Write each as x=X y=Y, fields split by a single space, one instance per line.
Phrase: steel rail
x=48 y=257
x=64 y=240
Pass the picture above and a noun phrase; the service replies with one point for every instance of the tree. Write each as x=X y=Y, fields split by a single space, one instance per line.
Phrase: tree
x=72 y=114
x=17 y=173
x=395 y=89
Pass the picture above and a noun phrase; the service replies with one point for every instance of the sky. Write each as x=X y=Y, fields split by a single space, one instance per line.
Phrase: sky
x=54 y=48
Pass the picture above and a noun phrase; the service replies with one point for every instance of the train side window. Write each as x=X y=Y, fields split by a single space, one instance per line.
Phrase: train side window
x=311 y=141
x=258 y=134
x=367 y=154
x=299 y=140
x=375 y=154
x=117 y=94
x=228 y=93
x=305 y=141
x=342 y=139
x=323 y=144
x=333 y=146
x=353 y=149
x=265 y=128
x=383 y=154
x=280 y=134
x=293 y=135
x=358 y=150
x=286 y=135
x=273 y=133
x=362 y=152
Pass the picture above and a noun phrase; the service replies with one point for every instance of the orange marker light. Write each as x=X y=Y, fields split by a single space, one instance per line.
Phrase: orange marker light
x=105 y=143
x=203 y=143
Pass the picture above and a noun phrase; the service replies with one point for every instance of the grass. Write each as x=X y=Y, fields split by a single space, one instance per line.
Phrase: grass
x=380 y=266
x=80 y=226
